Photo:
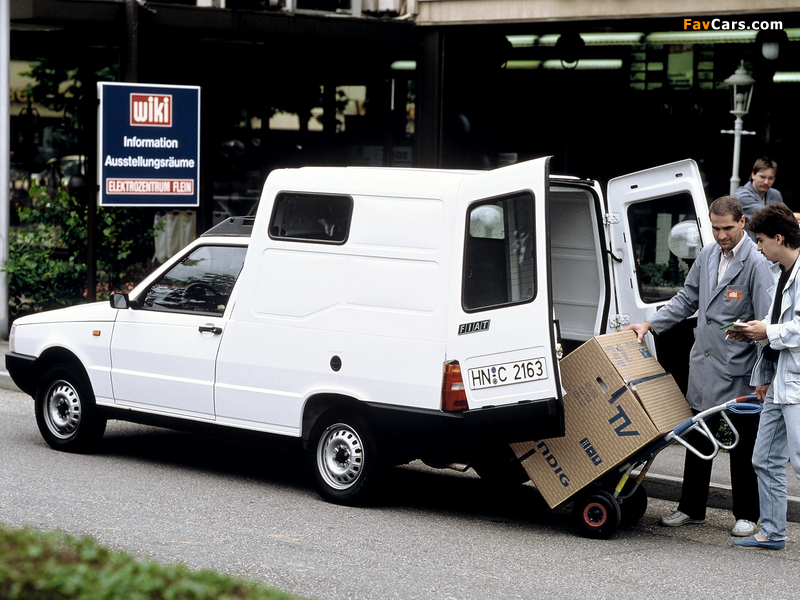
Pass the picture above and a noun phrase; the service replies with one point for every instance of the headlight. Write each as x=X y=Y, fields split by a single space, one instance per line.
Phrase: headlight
x=11 y=336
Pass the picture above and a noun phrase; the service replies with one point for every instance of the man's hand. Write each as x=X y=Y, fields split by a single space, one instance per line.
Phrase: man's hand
x=761 y=392
x=752 y=330
x=639 y=328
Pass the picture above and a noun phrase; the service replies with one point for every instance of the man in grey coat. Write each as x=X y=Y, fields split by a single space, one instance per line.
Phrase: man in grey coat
x=728 y=282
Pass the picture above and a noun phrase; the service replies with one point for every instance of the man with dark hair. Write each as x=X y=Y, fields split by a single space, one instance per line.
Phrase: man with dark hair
x=728 y=282
x=758 y=192
x=776 y=374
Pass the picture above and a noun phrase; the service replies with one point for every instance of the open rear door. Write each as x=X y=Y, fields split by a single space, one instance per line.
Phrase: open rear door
x=504 y=339
x=658 y=222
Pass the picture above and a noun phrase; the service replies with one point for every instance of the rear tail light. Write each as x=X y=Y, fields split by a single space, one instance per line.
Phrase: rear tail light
x=454 y=396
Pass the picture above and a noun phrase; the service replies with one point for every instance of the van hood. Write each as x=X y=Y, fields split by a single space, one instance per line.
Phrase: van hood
x=96 y=311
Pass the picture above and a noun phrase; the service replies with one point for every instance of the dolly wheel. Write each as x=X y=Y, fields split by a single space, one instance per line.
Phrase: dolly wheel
x=633 y=508
x=598 y=514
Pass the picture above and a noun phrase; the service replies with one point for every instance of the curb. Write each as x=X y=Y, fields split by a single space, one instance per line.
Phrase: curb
x=668 y=487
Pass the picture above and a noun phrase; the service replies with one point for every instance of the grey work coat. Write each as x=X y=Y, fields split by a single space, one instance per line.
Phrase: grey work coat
x=719 y=368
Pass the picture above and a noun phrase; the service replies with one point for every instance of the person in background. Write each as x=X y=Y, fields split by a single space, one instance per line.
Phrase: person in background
x=758 y=191
x=728 y=281
x=776 y=374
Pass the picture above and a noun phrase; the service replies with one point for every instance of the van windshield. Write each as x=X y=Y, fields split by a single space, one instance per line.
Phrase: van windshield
x=499 y=253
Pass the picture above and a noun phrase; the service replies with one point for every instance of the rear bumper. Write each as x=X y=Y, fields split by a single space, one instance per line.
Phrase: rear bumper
x=417 y=433
x=517 y=422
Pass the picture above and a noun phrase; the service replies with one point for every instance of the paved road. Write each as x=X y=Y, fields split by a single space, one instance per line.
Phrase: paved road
x=251 y=511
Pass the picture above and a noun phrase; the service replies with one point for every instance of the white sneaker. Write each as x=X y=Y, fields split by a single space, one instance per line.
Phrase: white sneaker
x=743 y=528
x=678 y=518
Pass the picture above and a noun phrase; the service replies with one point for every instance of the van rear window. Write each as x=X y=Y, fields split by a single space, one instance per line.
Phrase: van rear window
x=499 y=253
x=311 y=217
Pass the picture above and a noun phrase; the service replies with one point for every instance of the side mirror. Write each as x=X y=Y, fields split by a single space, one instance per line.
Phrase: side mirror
x=120 y=301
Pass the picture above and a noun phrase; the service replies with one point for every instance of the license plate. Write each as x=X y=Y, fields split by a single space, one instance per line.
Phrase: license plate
x=507 y=373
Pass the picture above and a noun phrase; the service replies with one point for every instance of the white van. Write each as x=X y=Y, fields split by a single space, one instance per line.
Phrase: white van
x=380 y=315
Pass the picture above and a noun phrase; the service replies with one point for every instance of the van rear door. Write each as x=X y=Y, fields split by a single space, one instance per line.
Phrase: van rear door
x=504 y=337
x=658 y=222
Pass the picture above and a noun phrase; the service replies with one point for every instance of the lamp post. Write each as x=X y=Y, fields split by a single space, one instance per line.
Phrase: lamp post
x=741 y=88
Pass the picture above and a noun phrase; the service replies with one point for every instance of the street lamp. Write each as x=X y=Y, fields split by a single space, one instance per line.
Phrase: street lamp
x=741 y=88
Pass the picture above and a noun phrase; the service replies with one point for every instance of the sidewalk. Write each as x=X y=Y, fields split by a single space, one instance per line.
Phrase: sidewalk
x=663 y=481
x=666 y=476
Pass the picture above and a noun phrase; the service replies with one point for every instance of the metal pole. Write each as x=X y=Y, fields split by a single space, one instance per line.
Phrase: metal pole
x=5 y=155
x=737 y=132
x=737 y=148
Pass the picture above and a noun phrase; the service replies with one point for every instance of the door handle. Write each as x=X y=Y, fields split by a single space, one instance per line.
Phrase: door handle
x=211 y=328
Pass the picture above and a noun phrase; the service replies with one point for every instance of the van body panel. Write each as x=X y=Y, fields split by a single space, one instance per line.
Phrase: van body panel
x=371 y=305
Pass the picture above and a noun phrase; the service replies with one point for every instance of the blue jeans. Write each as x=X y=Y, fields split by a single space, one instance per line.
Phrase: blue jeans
x=778 y=442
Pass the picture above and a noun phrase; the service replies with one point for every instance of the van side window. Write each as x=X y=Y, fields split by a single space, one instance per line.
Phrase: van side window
x=666 y=240
x=202 y=282
x=311 y=217
x=499 y=253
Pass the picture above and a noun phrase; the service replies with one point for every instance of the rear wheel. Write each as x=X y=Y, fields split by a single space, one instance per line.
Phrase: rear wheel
x=598 y=514
x=634 y=507
x=344 y=458
x=66 y=413
x=498 y=465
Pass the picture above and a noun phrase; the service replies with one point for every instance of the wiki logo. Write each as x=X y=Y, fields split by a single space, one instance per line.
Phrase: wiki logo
x=152 y=110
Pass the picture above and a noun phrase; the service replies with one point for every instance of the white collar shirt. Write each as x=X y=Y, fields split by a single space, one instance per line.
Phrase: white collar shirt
x=725 y=259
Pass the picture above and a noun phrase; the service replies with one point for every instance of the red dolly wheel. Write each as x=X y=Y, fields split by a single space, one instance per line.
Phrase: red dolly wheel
x=598 y=514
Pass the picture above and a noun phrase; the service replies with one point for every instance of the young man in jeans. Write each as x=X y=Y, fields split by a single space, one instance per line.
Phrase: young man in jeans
x=728 y=282
x=776 y=374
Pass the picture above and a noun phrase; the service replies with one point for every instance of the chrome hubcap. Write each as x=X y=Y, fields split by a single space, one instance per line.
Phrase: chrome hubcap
x=340 y=456
x=62 y=409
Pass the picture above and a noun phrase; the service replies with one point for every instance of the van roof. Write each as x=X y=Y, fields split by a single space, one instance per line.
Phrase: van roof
x=401 y=181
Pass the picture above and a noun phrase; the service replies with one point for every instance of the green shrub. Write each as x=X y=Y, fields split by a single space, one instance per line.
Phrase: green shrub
x=55 y=566
x=45 y=267
x=47 y=259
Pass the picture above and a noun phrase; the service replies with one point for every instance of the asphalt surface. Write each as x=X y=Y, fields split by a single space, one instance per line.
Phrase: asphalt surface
x=251 y=510
x=663 y=481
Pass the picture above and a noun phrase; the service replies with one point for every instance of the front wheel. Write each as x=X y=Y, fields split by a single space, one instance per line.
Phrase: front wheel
x=65 y=410
x=343 y=456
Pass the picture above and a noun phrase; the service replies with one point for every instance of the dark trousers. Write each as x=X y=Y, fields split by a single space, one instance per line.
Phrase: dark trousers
x=697 y=472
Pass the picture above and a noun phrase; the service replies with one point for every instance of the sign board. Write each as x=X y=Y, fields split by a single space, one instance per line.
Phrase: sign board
x=149 y=145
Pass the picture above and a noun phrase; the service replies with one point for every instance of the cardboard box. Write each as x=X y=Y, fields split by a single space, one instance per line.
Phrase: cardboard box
x=619 y=399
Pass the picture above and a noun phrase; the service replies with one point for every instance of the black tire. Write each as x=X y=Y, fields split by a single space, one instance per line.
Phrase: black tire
x=633 y=508
x=343 y=456
x=66 y=413
x=598 y=514
x=498 y=465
